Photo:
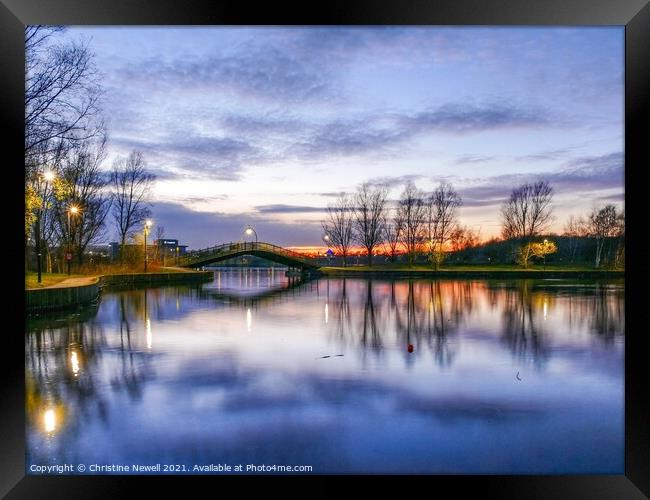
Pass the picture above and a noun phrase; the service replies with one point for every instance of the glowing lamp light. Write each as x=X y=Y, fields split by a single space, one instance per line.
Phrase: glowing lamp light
x=148 y=334
x=74 y=209
x=249 y=231
x=49 y=176
x=74 y=362
x=148 y=223
x=50 y=420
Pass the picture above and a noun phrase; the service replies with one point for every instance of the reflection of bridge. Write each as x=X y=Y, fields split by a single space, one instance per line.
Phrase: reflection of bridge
x=207 y=256
x=295 y=286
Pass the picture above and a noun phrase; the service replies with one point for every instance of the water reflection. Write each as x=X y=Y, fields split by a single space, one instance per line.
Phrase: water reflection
x=344 y=374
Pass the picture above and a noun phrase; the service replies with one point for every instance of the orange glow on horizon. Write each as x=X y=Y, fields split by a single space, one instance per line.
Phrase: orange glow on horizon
x=354 y=250
x=383 y=249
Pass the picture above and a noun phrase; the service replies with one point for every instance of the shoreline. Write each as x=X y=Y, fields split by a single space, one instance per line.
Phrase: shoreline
x=468 y=273
x=84 y=291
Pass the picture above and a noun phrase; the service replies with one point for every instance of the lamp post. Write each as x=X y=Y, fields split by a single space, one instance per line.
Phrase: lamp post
x=147 y=226
x=72 y=210
x=545 y=243
x=251 y=230
x=326 y=240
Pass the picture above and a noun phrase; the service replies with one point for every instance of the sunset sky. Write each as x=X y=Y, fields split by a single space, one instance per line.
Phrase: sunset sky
x=265 y=126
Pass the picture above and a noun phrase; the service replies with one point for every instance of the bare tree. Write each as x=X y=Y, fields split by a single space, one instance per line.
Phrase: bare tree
x=441 y=220
x=61 y=108
x=61 y=93
x=85 y=188
x=160 y=235
x=575 y=228
x=131 y=184
x=619 y=259
x=463 y=237
x=369 y=216
x=412 y=211
x=393 y=228
x=338 y=225
x=604 y=224
x=526 y=214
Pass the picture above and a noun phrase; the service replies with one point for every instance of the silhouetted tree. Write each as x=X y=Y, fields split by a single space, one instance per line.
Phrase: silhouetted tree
x=604 y=224
x=526 y=214
x=412 y=211
x=85 y=188
x=369 y=216
x=393 y=228
x=338 y=225
x=442 y=220
x=131 y=184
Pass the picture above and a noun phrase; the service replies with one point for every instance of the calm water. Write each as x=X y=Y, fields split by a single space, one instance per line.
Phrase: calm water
x=347 y=376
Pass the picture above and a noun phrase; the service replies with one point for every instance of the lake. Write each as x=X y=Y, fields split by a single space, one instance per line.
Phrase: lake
x=445 y=376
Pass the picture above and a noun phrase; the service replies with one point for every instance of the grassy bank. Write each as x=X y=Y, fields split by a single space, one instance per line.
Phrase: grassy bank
x=499 y=270
x=50 y=279
x=466 y=267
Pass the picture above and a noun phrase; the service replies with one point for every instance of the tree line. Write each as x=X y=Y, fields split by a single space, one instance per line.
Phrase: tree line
x=418 y=223
x=426 y=225
x=71 y=199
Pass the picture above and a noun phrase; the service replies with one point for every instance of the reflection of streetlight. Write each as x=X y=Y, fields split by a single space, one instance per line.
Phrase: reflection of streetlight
x=74 y=363
x=147 y=226
x=251 y=230
x=249 y=319
x=49 y=419
x=149 y=336
x=72 y=210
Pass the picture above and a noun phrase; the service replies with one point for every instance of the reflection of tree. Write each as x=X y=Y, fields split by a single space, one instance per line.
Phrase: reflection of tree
x=370 y=333
x=438 y=325
x=601 y=309
x=132 y=374
x=521 y=333
x=66 y=358
x=430 y=319
x=342 y=317
x=607 y=313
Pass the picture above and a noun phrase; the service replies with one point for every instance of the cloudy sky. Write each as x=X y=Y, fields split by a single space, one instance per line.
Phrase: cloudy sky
x=265 y=126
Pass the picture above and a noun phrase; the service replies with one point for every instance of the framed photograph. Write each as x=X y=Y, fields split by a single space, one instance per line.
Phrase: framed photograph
x=381 y=240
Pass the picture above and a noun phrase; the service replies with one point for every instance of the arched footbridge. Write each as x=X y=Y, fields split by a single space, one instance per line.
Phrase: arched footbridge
x=212 y=255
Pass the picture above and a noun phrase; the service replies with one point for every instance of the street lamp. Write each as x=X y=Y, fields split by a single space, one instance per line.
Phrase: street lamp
x=251 y=230
x=147 y=226
x=72 y=210
x=326 y=240
x=545 y=243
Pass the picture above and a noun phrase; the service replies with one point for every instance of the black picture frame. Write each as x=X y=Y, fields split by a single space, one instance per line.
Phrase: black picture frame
x=633 y=14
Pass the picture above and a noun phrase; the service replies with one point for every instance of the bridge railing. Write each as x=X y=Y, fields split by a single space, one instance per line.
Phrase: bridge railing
x=236 y=247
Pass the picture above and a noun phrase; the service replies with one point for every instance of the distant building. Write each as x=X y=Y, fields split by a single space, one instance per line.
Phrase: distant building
x=171 y=246
x=163 y=250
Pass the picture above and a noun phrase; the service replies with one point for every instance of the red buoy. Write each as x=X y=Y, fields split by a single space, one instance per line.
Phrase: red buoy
x=410 y=348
